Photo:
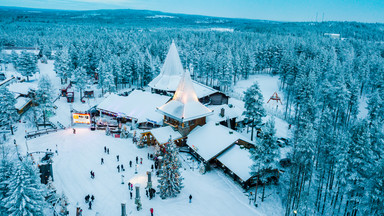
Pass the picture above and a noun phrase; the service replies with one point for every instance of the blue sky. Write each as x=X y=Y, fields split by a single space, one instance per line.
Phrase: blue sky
x=281 y=10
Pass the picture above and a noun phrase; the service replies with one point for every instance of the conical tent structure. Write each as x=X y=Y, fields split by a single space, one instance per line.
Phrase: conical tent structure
x=170 y=73
x=185 y=105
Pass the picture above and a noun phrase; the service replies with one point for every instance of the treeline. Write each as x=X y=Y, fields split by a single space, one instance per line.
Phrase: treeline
x=337 y=158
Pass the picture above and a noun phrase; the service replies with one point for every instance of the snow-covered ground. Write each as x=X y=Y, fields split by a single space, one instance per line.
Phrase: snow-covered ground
x=214 y=193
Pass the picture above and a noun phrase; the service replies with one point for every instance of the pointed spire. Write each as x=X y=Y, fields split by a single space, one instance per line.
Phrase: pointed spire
x=185 y=92
x=170 y=73
x=172 y=64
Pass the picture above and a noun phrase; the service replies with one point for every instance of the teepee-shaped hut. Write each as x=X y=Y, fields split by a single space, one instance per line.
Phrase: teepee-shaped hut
x=184 y=111
x=170 y=73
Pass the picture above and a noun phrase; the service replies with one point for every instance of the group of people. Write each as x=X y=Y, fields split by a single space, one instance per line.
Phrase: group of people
x=89 y=200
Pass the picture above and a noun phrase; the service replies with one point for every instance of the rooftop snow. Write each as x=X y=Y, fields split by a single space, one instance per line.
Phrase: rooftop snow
x=210 y=140
x=162 y=134
x=21 y=102
x=235 y=112
x=185 y=105
x=22 y=87
x=138 y=104
x=238 y=161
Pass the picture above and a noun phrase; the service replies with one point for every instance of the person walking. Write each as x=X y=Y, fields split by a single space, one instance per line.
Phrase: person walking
x=87 y=198
x=151 y=210
x=129 y=185
x=130 y=194
x=117 y=157
x=105 y=149
x=118 y=168
x=141 y=160
x=90 y=205
x=146 y=193
x=74 y=131
x=148 y=156
x=137 y=160
x=130 y=163
x=190 y=198
x=92 y=198
x=102 y=161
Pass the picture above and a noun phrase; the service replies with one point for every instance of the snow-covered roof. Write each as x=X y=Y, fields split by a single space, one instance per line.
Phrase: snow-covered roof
x=22 y=87
x=172 y=70
x=238 y=161
x=162 y=134
x=21 y=102
x=138 y=104
x=185 y=105
x=235 y=111
x=202 y=90
x=212 y=139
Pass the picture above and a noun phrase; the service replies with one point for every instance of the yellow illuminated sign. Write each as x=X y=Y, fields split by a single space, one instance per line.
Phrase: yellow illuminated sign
x=81 y=118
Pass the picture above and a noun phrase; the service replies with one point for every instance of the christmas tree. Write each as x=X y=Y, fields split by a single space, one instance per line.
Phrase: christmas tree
x=124 y=133
x=170 y=182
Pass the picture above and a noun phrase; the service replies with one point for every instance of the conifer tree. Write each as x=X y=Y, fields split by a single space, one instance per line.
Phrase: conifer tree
x=27 y=64
x=254 y=109
x=44 y=98
x=170 y=180
x=8 y=113
x=25 y=195
x=62 y=65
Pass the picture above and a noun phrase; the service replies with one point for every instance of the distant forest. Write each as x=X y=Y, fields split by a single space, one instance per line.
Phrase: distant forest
x=337 y=158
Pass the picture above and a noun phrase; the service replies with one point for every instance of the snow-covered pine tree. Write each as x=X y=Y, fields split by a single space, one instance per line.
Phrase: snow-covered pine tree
x=266 y=155
x=14 y=58
x=254 y=109
x=44 y=98
x=27 y=64
x=82 y=79
x=148 y=68
x=62 y=65
x=8 y=113
x=170 y=179
x=6 y=168
x=25 y=195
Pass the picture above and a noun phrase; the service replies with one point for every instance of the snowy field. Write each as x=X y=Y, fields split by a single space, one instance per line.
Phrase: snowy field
x=213 y=193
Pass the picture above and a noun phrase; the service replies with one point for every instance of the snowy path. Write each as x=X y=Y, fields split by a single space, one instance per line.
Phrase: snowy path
x=213 y=193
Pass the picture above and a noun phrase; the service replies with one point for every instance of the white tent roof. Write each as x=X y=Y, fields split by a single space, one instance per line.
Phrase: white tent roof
x=210 y=140
x=185 y=105
x=238 y=161
x=162 y=134
x=138 y=104
x=171 y=71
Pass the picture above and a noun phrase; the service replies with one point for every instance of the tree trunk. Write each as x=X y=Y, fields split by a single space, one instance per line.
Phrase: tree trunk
x=257 y=183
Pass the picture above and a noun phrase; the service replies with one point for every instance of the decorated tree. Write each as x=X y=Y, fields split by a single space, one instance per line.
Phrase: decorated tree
x=25 y=195
x=63 y=205
x=254 y=109
x=124 y=133
x=170 y=181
